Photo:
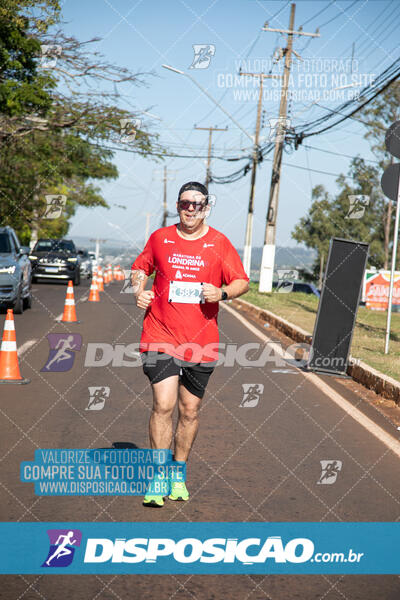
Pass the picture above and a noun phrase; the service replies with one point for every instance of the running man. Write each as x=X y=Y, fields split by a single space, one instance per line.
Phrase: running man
x=179 y=343
x=63 y=345
x=62 y=549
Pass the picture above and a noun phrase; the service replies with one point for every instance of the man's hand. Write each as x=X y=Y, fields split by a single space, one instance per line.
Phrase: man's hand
x=211 y=293
x=144 y=299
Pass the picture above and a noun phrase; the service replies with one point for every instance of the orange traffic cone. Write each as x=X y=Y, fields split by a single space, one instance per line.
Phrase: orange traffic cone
x=9 y=368
x=100 y=280
x=94 y=295
x=110 y=274
x=105 y=276
x=69 y=315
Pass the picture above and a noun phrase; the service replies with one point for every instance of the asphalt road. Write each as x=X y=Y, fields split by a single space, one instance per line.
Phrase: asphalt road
x=249 y=463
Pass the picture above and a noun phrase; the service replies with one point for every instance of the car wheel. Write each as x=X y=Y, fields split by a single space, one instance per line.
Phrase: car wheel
x=77 y=278
x=18 y=307
x=28 y=301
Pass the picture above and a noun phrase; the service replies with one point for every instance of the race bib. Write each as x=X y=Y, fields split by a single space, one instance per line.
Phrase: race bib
x=187 y=292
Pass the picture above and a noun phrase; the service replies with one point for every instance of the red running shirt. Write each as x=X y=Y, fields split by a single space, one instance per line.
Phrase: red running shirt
x=185 y=331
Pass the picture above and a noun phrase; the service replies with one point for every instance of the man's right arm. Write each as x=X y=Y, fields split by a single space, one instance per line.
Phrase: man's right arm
x=138 y=281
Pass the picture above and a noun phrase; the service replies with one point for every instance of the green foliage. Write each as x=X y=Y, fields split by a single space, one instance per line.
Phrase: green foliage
x=51 y=143
x=327 y=216
x=23 y=88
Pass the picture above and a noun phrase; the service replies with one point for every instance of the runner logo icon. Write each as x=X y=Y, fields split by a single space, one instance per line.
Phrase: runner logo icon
x=207 y=245
x=62 y=547
x=251 y=394
x=98 y=396
x=168 y=241
x=62 y=351
x=202 y=55
x=330 y=470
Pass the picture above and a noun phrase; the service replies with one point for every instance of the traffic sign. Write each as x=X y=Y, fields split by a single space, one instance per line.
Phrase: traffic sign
x=390 y=181
x=392 y=139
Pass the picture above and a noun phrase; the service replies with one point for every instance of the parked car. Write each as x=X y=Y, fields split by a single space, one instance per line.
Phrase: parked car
x=55 y=259
x=15 y=272
x=86 y=264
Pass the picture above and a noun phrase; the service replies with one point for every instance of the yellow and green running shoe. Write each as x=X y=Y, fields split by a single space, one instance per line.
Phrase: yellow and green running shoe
x=157 y=489
x=153 y=501
x=178 y=491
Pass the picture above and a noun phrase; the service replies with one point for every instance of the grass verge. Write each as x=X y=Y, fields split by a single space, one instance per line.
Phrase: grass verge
x=369 y=335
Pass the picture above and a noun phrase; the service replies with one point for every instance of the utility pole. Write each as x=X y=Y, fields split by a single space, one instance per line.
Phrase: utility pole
x=210 y=130
x=268 y=256
x=167 y=175
x=97 y=251
x=249 y=224
x=147 y=230
x=165 y=211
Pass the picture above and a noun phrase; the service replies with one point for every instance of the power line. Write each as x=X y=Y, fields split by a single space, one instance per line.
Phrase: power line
x=338 y=153
x=369 y=27
x=370 y=92
x=279 y=11
x=366 y=43
x=319 y=13
x=339 y=15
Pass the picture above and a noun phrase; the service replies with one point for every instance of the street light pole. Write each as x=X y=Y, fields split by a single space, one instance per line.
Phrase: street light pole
x=393 y=269
x=210 y=97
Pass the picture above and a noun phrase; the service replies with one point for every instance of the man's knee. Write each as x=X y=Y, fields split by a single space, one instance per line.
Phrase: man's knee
x=188 y=412
x=162 y=409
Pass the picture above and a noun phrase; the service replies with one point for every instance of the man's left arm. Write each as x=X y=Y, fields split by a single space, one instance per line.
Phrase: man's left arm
x=236 y=288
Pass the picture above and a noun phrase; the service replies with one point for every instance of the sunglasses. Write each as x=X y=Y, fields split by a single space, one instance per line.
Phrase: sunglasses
x=185 y=204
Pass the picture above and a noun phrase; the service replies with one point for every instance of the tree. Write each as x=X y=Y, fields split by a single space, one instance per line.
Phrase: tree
x=330 y=217
x=57 y=118
x=316 y=229
x=380 y=114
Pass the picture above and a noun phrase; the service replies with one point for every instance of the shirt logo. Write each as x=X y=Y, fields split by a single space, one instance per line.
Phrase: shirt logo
x=168 y=241
x=207 y=245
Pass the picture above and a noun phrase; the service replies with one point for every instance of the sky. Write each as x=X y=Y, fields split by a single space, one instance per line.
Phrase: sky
x=142 y=35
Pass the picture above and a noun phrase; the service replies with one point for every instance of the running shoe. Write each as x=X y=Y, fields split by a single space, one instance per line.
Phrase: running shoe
x=153 y=498
x=178 y=491
x=153 y=501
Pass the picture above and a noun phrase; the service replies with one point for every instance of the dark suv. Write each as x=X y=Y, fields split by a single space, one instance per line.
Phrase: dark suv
x=55 y=259
x=15 y=272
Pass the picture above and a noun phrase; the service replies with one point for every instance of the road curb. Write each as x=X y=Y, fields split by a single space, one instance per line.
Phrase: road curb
x=359 y=371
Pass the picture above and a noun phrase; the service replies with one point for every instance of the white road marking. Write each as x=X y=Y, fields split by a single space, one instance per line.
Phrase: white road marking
x=388 y=440
x=25 y=346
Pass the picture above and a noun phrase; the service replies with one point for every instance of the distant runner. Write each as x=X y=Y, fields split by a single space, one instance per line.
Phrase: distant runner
x=179 y=343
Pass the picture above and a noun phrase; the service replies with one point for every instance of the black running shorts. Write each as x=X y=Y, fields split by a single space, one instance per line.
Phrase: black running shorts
x=194 y=376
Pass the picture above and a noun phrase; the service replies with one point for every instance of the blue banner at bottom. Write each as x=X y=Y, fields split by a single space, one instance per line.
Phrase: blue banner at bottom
x=212 y=548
